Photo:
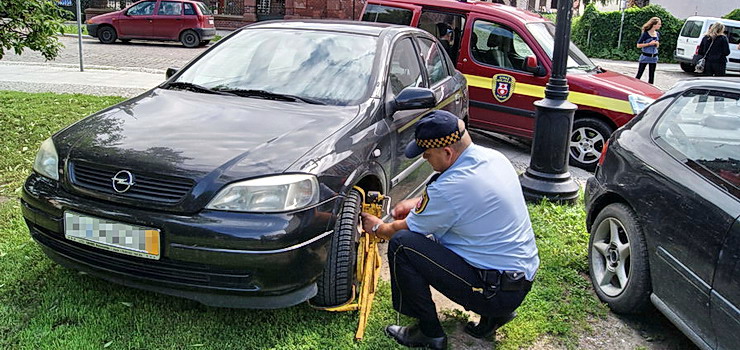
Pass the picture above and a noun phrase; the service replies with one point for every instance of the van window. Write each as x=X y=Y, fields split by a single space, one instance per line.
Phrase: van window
x=544 y=33
x=447 y=27
x=692 y=29
x=434 y=61
x=498 y=45
x=733 y=34
x=387 y=14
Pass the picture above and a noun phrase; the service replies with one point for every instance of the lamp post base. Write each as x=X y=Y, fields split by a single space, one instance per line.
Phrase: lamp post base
x=558 y=188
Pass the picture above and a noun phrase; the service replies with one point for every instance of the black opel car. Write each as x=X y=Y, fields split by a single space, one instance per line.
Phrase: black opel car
x=226 y=184
x=664 y=213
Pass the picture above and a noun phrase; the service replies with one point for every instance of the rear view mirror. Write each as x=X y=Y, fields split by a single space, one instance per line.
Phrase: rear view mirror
x=415 y=98
x=170 y=72
x=531 y=65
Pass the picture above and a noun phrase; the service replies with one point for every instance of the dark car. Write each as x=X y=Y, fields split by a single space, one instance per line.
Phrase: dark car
x=189 y=22
x=664 y=213
x=226 y=184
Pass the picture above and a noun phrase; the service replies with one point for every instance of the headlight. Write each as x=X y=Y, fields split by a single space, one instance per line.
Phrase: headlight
x=47 y=161
x=639 y=102
x=268 y=194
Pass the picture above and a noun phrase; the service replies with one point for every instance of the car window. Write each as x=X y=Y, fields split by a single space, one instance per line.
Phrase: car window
x=691 y=29
x=189 y=10
x=404 y=70
x=498 y=45
x=170 y=8
x=434 y=61
x=544 y=33
x=304 y=63
x=703 y=127
x=447 y=27
x=387 y=14
x=204 y=10
x=142 y=9
x=733 y=34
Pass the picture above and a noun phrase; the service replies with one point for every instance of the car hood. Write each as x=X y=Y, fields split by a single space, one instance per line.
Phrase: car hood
x=613 y=84
x=105 y=17
x=194 y=135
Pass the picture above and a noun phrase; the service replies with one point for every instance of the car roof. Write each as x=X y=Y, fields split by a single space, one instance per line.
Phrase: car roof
x=356 y=27
x=716 y=19
x=476 y=6
x=706 y=82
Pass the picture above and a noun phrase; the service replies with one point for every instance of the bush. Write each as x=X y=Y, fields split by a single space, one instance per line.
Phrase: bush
x=604 y=32
x=734 y=15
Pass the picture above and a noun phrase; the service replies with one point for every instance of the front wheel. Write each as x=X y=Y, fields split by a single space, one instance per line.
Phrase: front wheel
x=107 y=35
x=618 y=260
x=189 y=38
x=336 y=282
x=687 y=67
x=587 y=141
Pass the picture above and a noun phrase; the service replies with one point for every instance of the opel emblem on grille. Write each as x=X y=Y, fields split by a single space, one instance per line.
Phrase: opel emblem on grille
x=123 y=181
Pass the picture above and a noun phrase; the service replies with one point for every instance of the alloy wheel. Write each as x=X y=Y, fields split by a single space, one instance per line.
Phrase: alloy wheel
x=610 y=257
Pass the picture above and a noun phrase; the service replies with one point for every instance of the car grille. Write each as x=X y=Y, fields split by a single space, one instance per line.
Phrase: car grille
x=147 y=186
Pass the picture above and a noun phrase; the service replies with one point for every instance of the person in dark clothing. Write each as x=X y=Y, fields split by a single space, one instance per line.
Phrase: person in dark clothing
x=648 y=45
x=445 y=37
x=715 y=48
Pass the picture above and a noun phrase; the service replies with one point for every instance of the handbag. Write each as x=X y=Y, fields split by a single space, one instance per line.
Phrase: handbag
x=699 y=68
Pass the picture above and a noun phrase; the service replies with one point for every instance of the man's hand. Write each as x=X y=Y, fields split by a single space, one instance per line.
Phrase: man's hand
x=404 y=207
x=368 y=221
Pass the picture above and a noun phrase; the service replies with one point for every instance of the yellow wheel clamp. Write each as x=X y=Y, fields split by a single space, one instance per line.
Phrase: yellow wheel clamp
x=368 y=263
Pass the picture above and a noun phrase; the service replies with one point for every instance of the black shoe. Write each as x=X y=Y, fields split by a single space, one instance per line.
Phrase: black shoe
x=488 y=325
x=414 y=338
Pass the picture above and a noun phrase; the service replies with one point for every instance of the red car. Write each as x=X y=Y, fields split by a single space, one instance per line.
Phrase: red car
x=506 y=55
x=189 y=22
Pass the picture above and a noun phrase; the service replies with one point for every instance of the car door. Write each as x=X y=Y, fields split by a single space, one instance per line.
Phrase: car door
x=725 y=298
x=404 y=70
x=137 y=21
x=168 y=21
x=691 y=202
x=502 y=93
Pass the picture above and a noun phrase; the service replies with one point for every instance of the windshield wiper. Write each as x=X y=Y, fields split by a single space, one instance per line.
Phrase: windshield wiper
x=192 y=87
x=583 y=66
x=269 y=95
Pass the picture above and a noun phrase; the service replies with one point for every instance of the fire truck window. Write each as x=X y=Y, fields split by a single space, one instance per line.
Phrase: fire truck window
x=446 y=27
x=498 y=45
x=387 y=14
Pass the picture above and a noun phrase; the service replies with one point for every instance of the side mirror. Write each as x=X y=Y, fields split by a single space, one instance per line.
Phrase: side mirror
x=170 y=72
x=531 y=65
x=415 y=98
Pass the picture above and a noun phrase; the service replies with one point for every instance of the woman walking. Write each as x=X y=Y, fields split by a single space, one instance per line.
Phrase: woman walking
x=715 y=48
x=648 y=45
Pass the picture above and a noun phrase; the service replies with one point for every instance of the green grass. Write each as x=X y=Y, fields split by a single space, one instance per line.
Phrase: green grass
x=72 y=29
x=45 y=306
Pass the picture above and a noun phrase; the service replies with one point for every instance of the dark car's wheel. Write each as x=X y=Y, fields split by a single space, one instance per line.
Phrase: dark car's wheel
x=107 y=35
x=618 y=260
x=189 y=38
x=687 y=67
x=335 y=284
x=205 y=42
x=587 y=141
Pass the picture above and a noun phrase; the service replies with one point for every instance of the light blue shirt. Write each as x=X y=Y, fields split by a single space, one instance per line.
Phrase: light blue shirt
x=476 y=209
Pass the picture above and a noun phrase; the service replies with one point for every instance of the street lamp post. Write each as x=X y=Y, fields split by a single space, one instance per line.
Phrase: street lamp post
x=547 y=175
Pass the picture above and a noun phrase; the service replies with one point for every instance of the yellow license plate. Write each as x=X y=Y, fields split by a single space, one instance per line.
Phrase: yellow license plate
x=112 y=235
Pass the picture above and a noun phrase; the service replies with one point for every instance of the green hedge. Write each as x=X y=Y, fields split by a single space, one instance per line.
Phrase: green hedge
x=734 y=15
x=604 y=29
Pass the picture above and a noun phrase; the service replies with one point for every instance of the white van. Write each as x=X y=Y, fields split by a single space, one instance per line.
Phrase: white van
x=692 y=33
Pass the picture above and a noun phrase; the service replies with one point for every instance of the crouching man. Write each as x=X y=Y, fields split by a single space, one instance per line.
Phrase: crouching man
x=469 y=236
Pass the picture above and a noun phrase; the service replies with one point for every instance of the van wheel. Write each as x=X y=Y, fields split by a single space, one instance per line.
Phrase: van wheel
x=335 y=283
x=618 y=260
x=587 y=141
x=687 y=67
x=107 y=35
x=189 y=38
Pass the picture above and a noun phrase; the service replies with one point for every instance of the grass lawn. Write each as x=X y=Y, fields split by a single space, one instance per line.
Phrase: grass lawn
x=45 y=306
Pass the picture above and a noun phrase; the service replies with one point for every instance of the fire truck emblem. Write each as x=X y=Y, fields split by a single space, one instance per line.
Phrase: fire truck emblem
x=503 y=87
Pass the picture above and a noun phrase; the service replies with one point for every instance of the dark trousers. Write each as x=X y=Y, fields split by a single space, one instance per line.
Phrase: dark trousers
x=416 y=262
x=716 y=69
x=651 y=71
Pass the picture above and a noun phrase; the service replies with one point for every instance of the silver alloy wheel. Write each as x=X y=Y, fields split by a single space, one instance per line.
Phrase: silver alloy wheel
x=586 y=144
x=610 y=257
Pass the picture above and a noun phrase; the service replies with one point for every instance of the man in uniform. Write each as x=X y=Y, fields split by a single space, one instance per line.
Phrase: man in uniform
x=469 y=236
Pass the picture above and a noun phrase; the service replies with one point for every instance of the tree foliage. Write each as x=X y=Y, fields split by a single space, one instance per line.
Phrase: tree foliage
x=31 y=24
x=734 y=15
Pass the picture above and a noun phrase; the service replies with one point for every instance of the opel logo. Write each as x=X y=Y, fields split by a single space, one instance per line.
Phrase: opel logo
x=123 y=181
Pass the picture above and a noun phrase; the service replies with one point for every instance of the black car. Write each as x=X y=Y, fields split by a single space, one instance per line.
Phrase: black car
x=226 y=183
x=664 y=213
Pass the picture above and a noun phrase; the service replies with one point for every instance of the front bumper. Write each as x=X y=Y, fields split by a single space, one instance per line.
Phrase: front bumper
x=92 y=29
x=217 y=258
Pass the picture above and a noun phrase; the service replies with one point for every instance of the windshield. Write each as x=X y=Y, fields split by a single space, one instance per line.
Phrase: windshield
x=333 y=68
x=544 y=33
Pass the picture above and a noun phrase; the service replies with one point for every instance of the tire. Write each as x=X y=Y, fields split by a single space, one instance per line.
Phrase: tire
x=189 y=38
x=618 y=260
x=204 y=42
x=336 y=282
x=107 y=35
x=687 y=67
x=587 y=141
